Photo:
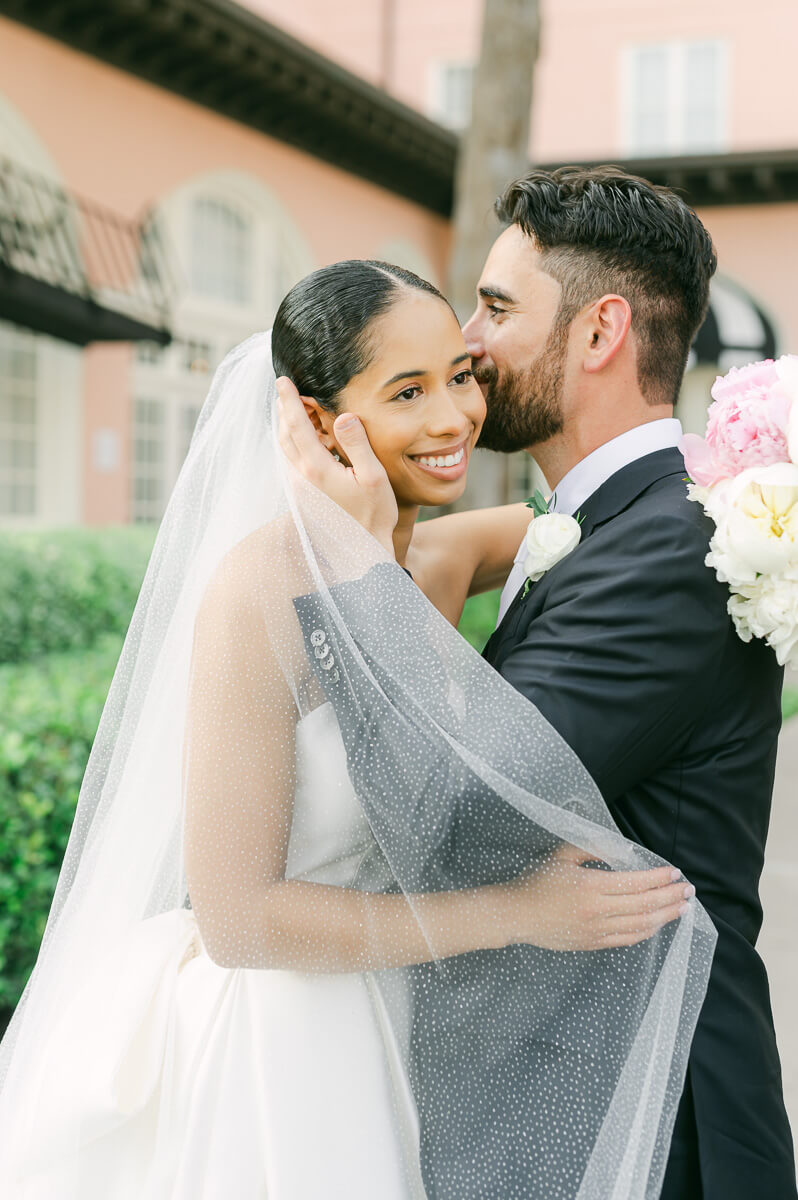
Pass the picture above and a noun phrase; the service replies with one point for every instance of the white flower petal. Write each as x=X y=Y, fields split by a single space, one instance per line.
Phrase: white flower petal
x=549 y=539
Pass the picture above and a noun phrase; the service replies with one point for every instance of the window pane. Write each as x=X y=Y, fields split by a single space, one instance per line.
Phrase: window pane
x=703 y=125
x=196 y=355
x=221 y=251
x=149 y=352
x=22 y=362
x=23 y=499
x=18 y=421
x=23 y=407
x=23 y=453
x=454 y=88
x=148 y=483
x=649 y=100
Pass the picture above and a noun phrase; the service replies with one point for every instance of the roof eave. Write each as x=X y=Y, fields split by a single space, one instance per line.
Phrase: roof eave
x=220 y=55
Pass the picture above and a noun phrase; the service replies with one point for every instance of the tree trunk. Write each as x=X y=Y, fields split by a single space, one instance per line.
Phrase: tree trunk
x=494 y=151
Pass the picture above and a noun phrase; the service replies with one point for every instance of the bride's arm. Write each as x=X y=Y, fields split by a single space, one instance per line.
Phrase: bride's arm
x=485 y=541
x=239 y=784
x=464 y=554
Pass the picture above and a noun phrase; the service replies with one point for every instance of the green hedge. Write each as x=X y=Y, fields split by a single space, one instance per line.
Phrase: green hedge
x=61 y=589
x=479 y=618
x=49 y=712
x=789 y=702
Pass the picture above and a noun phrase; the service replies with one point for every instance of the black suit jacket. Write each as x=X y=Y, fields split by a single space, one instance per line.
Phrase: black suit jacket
x=626 y=647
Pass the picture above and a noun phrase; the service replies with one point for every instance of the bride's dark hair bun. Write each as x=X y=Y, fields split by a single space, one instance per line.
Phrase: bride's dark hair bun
x=320 y=337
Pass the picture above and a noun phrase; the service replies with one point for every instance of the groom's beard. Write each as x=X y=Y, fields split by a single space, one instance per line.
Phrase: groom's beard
x=524 y=407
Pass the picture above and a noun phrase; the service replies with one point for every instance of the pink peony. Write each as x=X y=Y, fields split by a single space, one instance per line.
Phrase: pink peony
x=756 y=375
x=747 y=425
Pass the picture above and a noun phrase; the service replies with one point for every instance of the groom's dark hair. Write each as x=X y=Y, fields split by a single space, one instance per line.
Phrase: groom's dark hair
x=600 y=230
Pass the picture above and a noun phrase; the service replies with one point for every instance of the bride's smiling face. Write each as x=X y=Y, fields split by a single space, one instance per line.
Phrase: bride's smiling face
x=418 y=400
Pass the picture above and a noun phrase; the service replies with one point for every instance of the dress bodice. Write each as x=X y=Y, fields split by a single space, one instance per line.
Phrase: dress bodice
x=329 y=833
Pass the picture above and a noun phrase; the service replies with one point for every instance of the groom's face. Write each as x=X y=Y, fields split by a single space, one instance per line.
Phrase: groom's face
x=518 y=347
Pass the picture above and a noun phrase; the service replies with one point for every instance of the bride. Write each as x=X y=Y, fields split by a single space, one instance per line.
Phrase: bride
x=327 y=887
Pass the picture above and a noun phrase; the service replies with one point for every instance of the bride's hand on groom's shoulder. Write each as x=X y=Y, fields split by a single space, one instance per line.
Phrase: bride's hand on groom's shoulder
x=563 y=905
x=360 y=486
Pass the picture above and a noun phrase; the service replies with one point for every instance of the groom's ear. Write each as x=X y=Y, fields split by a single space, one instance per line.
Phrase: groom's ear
x=608 y=323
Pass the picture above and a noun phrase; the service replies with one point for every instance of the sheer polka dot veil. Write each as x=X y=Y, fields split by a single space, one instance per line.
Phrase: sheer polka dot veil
x=302 y=768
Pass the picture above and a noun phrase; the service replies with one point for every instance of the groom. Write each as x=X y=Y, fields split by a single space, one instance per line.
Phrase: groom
x=587 y=306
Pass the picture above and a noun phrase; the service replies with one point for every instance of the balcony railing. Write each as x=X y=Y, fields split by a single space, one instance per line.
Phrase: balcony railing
x=76 y=270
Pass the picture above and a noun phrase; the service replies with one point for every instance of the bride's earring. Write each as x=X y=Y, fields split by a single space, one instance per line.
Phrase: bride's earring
x=336 y=455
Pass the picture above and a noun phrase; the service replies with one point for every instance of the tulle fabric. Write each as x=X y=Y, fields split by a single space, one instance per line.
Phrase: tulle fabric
x=184 y=898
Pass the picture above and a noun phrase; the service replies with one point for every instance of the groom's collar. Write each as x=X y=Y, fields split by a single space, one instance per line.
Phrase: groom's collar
x=616 y=494
x=624 y=487
x=587 y=476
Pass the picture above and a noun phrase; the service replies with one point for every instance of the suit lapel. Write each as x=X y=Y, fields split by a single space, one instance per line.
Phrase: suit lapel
x=624 y=487
x=612 y=498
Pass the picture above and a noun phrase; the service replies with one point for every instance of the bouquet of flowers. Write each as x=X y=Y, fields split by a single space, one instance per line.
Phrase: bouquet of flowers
x=745 y=474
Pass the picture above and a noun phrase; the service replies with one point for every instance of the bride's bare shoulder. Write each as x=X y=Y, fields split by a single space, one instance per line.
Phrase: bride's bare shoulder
x=262 y=568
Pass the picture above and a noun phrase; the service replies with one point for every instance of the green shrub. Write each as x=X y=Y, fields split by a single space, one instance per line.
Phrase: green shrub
x=49 y=712
x=479 y=618
x=789 y=702
x=61 y=589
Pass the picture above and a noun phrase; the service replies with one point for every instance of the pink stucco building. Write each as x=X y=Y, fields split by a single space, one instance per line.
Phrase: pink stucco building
x=266 y=139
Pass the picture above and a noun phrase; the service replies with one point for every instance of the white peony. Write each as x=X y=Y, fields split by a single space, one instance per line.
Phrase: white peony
x=700 y=493
x=727 y=565
x=549 y=538
x=757 y=524
x=715 y=499
x=768 y=609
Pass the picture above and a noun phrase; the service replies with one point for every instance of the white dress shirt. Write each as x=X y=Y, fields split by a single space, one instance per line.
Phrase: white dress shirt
x=589 y=474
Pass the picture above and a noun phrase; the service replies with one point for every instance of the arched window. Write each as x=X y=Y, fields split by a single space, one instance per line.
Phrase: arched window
x=236 y=252
x=221 y=251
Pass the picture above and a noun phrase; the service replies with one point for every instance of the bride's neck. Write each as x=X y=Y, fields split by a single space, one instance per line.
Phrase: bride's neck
x=403 y=532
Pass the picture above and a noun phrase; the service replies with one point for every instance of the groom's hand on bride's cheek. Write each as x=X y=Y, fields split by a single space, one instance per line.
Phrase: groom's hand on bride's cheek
x=359 y=485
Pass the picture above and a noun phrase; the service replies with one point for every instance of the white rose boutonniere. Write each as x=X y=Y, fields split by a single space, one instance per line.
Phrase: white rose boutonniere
x=550 y=537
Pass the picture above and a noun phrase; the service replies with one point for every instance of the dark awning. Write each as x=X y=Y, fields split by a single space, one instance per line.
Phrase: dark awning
x=736 y=330
x=74 y=270
x=709 y=180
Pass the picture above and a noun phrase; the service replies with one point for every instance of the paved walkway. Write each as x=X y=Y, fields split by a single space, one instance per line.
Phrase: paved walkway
x=778 y=943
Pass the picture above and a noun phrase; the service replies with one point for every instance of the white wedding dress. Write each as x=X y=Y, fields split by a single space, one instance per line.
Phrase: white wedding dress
x=239 y=1084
